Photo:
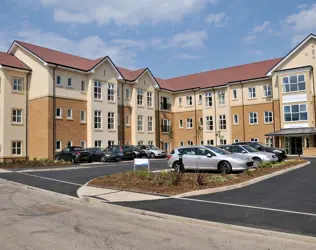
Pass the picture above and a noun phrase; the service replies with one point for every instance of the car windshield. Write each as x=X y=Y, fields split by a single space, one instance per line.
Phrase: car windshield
x=153 y=147
x=219 y=151
x=249 y=149
x=126 y=147
x=261 y=145
x=78 y=149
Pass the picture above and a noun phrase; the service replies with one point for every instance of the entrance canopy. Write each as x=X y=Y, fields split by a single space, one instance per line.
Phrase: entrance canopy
x=293 y=131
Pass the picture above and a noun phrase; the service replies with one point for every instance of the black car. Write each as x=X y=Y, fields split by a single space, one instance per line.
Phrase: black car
x=279 y=152
x=125 y=152
x=74 y=154
x=99 y=154
x=139 y=153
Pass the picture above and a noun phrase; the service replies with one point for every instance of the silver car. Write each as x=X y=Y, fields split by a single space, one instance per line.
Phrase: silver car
x=208 y=158
x=152 y=151
x=257 y=156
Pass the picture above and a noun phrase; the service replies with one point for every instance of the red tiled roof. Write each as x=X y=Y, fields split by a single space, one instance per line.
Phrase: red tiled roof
x=61 y=58
x=130 y=75
x=11 y=61
x=220 y=77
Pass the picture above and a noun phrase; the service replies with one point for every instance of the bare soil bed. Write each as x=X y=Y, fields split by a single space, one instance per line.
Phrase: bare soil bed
x=34 y=163
x=173 y=183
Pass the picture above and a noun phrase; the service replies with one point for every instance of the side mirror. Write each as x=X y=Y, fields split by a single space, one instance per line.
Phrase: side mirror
x=209 y=155
x=244 y=152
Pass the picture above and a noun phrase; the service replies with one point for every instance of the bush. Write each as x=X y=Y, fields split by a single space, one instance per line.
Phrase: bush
x=265 y=164
x=218 y=178
x=144 y=174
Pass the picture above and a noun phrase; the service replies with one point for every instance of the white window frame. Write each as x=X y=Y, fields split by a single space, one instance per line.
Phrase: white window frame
x=189 y=100
x=291 y=112
x=268 y=141
x=267 y=115
x=209 y=123
x=17 y=84
x=235 y=94
x=189 y=122
x=98 y=144
x=236 y=140
x=190 y=143
x=69 y=117
x=111 y=121
x=180 y=123
x=127 y=121
x=236 y=119
x=253 y=118
x=200 y=99
x=69 y=80
x=254 y=139
x=97 y=91
x=139 y=143
x=83 y=144
x=127 y=143
x=267 y=90
x=149 y=99
x=210 y=142
x=118 y=92
x=201 y=121
x=140 y=97
x=61 y=113
x=222 y=141
x=111 y=142
x=221 y=97
x=140 y=123
x=84 y=116
x=181 y=143
x=83 y=86
x=291 y=85
x=150 y=142
x=127 y=93
x=201 y=142
x=61 y=81
x=17 y=146
x=97 y=124
x=252 y=93
x=58 y=149
x=180 y=101
x=111 y=92
x=70 y=144
x=17 y=116
x=150 y=124
x=222 y=122
x=208 y=99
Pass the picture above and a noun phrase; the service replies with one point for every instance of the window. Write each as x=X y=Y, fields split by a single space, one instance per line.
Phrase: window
x=268 y=117
x=190 y=143
x=234 y=94
x=58 y=113
x=69 y=113
x=58 y=80
x=267 y=90
x=210 y=142
x=252 y=92
x=16 y=148
x=83 y=116
x=127 y=93
x=111 y=92
x=140 y=123
x=200 y=99
x=180 y=101
x=127 y=143
x=253 y=118
x=222 y=142
x=150 y=143
x=98 y=144
x=17 y=116
x=236 y=120
x=69 y=83
x=149 y=99
x=294 y=83
x=166 y=126
x=140 y=143
x=58 y=145
x=127 y=124
x=17 y=84
x=98 y=119
x=209 y=123
x=83 y=144
x=118 y=93
x=222 y=122
x=202 y=142
x=139 y=97
x=208 y=99
x=201 y=121
x=181 y=123
x=111 y=120
x=69 y=143
x=83 y=86
x=297 y=112
x=254 y=140
x=189 y=123
x=97 y=91
x=118 y=119
x=189 y=101
x=236 y=140
x=221 y=97
x=150 y=124
x=181 y=143
x=110 y=143
x=269 y=141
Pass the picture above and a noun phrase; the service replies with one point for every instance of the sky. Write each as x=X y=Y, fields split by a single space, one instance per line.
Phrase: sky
x=170 y=37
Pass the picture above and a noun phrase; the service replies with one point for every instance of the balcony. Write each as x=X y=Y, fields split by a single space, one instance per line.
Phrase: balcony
x=165 y=129
x=165 y=106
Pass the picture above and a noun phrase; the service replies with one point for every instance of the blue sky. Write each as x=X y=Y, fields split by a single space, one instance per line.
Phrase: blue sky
x=171 y=37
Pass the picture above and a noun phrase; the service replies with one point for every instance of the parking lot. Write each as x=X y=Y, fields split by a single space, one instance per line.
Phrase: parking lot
x=283 y=203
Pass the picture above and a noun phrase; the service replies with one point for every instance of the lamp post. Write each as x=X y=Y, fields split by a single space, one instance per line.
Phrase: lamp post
x=180 y=162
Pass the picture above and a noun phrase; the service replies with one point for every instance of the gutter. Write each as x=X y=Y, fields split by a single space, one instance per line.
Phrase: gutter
x=27 y=117
x=314 y=95
x=159 y=129
x=54 y=111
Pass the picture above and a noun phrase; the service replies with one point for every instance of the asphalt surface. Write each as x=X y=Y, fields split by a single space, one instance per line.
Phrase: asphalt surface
x=284 y=203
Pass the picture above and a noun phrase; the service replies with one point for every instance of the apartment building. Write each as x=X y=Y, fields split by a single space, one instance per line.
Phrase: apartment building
x=50 y=99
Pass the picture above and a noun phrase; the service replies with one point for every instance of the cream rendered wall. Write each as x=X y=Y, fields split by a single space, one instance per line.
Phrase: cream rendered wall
x=2 y=82
x=260 y=98
x=103 y=105
x=209 y=111
x=39 y=81
x=146 y=84
x=10 y=101
x=184 y=107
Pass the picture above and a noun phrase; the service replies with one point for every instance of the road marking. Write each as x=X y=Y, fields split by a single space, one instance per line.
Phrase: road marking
x=247 y=206
x=51 y=179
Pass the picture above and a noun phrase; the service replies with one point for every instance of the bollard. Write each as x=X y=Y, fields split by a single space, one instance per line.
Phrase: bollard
x=299 y=151
x=180 y=163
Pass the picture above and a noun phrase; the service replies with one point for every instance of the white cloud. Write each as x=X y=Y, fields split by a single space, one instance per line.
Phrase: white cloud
x=261 y=28
x=130 y=43
x=296 y=39
x=304 y=20
x=249 y=38
x=187 y=56
x=185 y=40
x=125 y=12
x=256 y=52
x=302 y=6
x=217 y=19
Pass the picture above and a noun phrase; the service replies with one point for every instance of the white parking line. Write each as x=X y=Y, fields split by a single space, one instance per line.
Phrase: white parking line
x=246 y=206
x=51 y=179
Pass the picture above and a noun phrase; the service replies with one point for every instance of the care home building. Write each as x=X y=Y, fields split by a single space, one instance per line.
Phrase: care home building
x=49 y=99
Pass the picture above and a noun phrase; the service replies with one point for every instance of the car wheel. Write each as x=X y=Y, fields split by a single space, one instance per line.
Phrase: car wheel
x=90 y=160
x=256 y=161
x=176 y=166
x=135 y=156
x=224 y=167
x=152 y=155
x=74 y=160
x=103 y=158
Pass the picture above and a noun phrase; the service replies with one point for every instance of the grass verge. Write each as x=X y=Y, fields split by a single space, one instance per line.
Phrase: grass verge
x=33 y=163
x=172 y=183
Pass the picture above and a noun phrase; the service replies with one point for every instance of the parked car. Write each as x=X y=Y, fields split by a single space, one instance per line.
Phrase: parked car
x=99 y=154
x=152 y=151
x=279 y=152
x=257 y=156
x=124 y=151
x=208 y=158
x=74 y=154
x=138 y=153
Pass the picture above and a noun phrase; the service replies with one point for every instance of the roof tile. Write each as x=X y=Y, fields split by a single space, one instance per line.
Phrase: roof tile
x=12 y=61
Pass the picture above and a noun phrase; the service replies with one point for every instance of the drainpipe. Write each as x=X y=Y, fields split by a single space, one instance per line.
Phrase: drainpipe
x=27 y=116
x=243 y=110
x=314 y=102
x=196 y=122
x=54 y=111
x=215 y=117
x=123 y=115
x=159 y=129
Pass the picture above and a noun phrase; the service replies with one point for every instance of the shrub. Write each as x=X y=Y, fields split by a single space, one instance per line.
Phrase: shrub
x=176 y=177
x=144 y=174
x=218 y=178
x=200 y=179
x=265 y=164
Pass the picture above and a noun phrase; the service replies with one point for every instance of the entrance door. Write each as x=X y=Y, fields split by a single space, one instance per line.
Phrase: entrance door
x=295 y=144
x=166 y=146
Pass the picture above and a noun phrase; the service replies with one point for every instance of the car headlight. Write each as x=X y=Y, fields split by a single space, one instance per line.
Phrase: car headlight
x=277 y=151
